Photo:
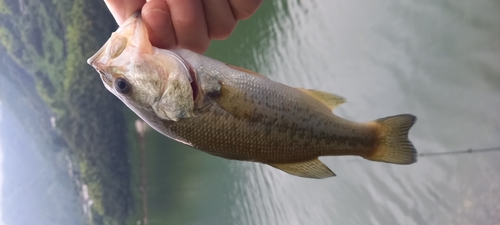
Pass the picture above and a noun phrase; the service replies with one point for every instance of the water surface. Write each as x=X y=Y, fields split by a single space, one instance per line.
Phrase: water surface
x=436 y=60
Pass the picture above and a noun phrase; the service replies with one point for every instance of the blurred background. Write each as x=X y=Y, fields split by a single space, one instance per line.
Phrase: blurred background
x=71 y=153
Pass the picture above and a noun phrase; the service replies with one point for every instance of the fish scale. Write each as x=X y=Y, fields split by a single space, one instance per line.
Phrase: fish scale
x=273 y=136
x=238 y=114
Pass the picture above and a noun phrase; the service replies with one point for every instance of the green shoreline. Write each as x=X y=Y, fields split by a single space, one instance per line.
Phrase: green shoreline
x=51 y=41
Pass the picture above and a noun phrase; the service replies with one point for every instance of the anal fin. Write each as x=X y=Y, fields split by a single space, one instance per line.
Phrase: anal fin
x=309 y=169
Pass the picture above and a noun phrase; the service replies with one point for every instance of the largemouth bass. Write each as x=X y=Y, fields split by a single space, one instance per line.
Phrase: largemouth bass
x=237 y=114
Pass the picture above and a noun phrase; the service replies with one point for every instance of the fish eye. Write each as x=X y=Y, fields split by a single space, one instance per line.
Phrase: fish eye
x=122 y=86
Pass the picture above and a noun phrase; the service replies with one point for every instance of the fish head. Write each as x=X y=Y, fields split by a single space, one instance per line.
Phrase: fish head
x=154 y=83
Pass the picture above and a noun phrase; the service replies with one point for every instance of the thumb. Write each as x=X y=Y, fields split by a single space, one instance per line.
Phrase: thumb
x=157 y=17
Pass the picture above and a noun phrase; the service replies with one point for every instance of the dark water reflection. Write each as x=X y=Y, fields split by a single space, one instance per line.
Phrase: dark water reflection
x=437 y=60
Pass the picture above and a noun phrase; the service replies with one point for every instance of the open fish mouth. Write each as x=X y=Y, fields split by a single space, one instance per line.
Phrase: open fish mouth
x=133 y=28
x=136 y=17
x=191 y=75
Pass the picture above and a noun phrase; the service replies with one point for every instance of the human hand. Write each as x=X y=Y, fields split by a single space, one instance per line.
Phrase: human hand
x=190 y=24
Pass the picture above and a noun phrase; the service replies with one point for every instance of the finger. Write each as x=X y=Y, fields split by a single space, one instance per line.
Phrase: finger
x=122 y=9
x=219 y=17
x=243 y=9
x=157 y=18
x=189 y=24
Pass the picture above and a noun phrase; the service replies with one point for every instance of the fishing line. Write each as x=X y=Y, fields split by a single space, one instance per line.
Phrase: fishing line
x=429 y=154
x=470 y=150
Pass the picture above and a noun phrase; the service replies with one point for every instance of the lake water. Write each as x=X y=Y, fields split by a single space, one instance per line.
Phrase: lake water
x=438 y=60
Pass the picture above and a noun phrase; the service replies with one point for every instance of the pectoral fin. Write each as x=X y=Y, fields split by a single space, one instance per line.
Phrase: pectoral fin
x=330 y=100
x=309 y=169
x=234 y=101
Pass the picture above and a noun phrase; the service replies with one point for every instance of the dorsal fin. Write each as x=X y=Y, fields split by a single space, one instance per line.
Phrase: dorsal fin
x=330 y=100
x=246 y=71
x=310 y=169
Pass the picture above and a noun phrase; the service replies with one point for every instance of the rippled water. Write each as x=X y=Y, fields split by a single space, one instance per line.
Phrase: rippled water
x=437 y=60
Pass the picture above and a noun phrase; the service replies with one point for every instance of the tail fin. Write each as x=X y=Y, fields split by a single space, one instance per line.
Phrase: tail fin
x=393 y=145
